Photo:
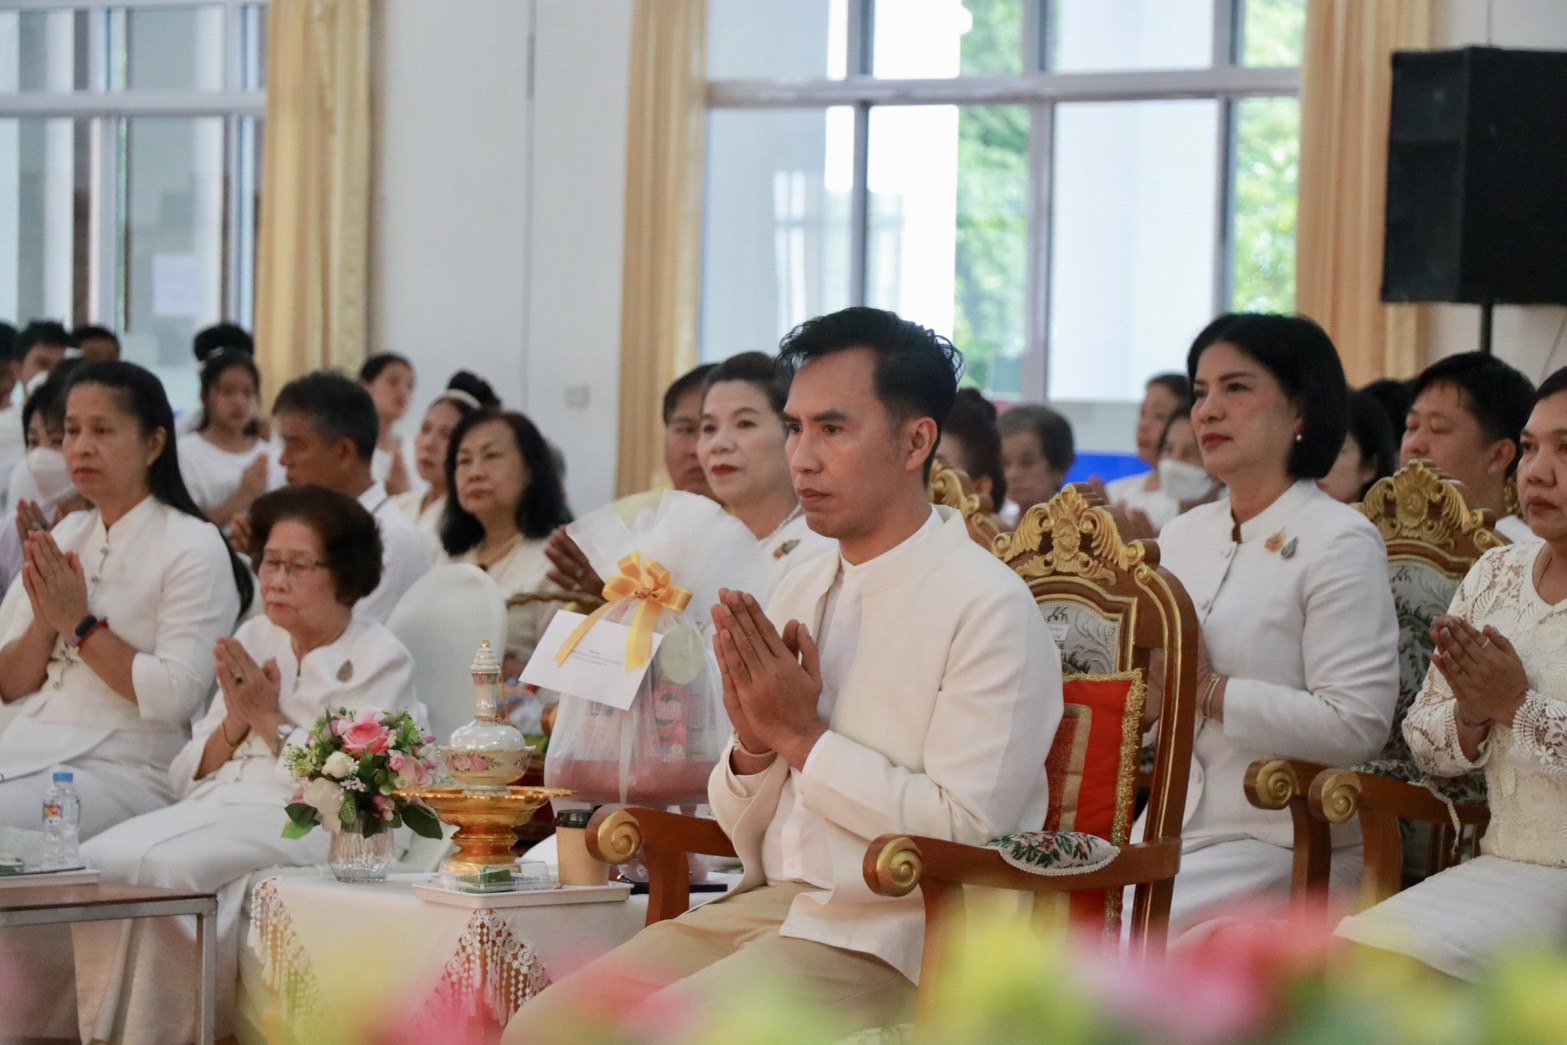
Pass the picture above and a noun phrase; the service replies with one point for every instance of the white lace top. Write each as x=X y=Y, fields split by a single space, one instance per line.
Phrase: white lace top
x=1525 y=764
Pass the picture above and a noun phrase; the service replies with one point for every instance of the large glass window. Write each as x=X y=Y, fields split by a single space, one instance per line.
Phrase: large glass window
x=130 y=139
x=1067 y=188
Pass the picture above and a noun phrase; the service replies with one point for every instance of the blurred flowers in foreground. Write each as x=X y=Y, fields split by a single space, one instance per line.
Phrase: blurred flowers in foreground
x=1268 y=975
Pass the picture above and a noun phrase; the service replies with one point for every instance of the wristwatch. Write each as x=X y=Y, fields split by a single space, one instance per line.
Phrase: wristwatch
x=86 y=627
x=279 y=740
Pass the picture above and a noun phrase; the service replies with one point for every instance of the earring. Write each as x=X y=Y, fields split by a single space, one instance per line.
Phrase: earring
x=1297 y=436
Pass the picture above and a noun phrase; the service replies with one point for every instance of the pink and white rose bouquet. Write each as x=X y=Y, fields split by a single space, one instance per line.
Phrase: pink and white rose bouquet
x=349 y=769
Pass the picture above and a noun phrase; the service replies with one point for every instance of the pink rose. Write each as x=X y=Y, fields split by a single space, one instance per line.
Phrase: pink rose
x=409 y=770
x=384 y=807
x=366 y=735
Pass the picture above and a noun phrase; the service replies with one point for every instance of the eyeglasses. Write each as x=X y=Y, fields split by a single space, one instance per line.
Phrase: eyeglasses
x=289 y=567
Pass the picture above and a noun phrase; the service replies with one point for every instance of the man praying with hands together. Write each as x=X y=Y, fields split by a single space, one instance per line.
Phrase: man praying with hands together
x=907 y=684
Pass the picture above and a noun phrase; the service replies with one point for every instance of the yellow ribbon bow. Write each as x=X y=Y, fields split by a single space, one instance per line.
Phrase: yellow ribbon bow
x=653 y=586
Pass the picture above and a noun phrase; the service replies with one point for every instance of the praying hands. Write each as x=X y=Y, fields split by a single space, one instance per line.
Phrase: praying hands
x=1486 y=675
x=55 y=583
x=772 y=683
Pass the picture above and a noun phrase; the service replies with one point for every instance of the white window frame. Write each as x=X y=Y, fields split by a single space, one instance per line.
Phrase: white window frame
x=1225 y=81
x=233 y=103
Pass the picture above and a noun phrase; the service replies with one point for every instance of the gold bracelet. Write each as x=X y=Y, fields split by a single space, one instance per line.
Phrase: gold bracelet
x=740 y=744
x=1207 y=697
x=226 y=740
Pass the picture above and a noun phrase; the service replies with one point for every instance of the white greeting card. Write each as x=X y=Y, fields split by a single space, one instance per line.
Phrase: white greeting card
x=596 y=669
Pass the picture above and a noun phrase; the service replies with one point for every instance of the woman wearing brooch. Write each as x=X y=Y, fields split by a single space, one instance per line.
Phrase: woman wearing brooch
x=1494 y=699
x=741 y=448
x=318 y=552
x=1298 y=654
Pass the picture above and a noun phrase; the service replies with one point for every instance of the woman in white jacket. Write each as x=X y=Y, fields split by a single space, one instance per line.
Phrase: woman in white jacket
x=318 y=552
x=110 y=657
x=1299 y=640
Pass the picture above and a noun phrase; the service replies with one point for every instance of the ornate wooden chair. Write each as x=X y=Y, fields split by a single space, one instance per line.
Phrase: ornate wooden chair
x=1110 y=608
x=1432 y=538
x=954 y=488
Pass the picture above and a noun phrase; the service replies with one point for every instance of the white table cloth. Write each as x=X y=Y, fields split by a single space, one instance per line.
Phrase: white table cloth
x=332 y=960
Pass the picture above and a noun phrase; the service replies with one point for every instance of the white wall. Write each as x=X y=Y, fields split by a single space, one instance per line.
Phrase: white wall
x=575 y=245
x=496 y=217
x=1522 y=335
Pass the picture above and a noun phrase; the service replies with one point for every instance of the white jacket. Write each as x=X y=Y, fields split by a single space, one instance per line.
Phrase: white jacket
x=1299 y=615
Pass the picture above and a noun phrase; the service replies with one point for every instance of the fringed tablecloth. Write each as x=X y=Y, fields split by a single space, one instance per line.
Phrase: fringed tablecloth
x=342 y=962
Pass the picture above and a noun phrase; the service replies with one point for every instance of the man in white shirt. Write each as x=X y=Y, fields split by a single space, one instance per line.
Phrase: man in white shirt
x=1468 y=412
x=907 y=684
x=327 y=426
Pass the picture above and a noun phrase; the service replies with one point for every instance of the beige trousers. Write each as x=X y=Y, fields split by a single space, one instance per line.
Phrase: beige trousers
x=678 y=972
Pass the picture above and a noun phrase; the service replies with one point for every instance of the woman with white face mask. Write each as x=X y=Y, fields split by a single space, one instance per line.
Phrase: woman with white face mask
x=41 y=486
x=1181 y=473
x=1165 y=397
x=741 y=447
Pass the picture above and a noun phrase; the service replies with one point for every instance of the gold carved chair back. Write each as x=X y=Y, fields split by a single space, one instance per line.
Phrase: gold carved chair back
x=954 y=488
x=1111 y=609
x=1433 y=537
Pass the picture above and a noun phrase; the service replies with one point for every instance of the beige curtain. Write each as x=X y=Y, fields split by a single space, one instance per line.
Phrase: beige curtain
x=1346 y=87
x=314 y=244
x=660 y=281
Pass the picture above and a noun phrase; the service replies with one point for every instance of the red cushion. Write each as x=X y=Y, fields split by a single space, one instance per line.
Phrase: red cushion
x=1092 y=769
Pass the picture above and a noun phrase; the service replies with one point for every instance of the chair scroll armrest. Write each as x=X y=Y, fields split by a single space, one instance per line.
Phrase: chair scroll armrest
x=616 y=834
x=1334 y=795
x=895 y=865
x=1280 y=783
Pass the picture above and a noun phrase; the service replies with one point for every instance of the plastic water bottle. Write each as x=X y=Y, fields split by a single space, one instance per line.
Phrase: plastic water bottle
x=62 y=817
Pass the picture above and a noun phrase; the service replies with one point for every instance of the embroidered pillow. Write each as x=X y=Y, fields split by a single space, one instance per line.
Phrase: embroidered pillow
x=1054 y=852
x=1092 y=770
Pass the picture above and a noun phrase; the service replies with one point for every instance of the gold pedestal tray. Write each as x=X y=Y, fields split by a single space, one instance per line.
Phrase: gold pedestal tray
x=486 y=823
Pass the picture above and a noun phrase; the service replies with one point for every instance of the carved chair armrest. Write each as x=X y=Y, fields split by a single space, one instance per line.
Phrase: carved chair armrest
x=1336 y=795
x=895 y=865
x=1281 y=783
x=616 y=833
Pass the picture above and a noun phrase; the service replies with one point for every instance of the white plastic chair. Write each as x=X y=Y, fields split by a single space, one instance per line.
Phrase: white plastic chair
x=442 y=619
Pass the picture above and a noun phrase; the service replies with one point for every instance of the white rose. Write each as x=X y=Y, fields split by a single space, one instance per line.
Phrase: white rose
x=339 y=765
x=327 y=797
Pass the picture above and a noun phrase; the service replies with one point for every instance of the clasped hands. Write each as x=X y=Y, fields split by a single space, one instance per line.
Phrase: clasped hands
x=55 y=582
x=772 y=683
x=1482 y=668
x=251 y=693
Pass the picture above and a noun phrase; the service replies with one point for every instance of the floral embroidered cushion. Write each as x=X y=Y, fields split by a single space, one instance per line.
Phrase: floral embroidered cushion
x=1054 y=852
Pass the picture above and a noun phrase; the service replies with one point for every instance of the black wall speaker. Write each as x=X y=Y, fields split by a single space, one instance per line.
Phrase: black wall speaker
x=1477 y=177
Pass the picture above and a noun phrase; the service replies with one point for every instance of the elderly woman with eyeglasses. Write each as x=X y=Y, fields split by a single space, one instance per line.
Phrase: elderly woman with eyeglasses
x=317 y=552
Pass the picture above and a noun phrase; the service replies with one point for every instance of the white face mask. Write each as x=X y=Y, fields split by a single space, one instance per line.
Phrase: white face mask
x=1184 y=481
x=50 y=473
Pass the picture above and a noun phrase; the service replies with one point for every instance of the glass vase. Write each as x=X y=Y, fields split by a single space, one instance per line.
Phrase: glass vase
x=357 y=857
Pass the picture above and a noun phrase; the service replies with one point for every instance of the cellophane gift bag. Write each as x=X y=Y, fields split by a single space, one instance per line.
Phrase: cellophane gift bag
x=661 y=750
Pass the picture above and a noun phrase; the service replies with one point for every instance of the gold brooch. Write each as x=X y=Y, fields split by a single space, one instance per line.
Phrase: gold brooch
x=1277 y=543
x=785 y=548
x=345 y=672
